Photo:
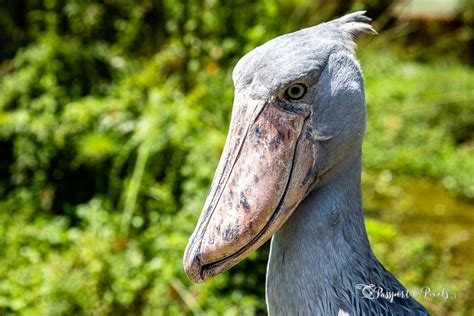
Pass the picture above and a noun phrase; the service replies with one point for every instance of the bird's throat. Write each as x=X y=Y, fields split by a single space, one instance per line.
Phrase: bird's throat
x=317 y=256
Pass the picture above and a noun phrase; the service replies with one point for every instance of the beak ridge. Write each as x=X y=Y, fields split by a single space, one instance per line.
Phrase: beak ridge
x=258 y=184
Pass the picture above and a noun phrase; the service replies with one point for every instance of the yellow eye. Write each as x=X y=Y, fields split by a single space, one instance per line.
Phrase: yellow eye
x=296 y=91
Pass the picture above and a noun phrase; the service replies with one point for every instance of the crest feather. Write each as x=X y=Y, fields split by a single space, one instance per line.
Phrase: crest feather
x=355 y=23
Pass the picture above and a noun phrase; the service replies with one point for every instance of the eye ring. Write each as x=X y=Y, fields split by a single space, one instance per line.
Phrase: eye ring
x=296 y=91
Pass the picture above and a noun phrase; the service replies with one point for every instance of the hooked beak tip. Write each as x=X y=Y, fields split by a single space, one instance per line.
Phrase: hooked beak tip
x=193 y=265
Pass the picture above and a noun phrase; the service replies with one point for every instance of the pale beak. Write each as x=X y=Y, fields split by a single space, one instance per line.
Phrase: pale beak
x=266 y=169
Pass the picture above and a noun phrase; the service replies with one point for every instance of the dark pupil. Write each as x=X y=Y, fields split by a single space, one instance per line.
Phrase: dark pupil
x=295 y=91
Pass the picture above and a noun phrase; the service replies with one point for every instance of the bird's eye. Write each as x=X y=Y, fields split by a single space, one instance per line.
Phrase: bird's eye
x=296 y=91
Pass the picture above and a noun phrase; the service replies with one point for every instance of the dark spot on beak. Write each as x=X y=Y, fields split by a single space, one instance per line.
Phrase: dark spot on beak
x=229 y=234
x=244 y=202
x=231 y=198
x=276 y=141
x=255 y=179
x=291 y=108
x=257 y=133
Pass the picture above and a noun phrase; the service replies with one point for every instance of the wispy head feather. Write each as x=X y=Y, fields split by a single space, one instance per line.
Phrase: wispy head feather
x=355 y=23
x=350 y=26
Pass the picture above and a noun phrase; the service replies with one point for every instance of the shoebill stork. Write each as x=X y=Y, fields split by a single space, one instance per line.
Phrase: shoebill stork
x=291 y=169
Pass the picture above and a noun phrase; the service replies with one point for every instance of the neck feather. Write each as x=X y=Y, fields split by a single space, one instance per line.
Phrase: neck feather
x=322 y=252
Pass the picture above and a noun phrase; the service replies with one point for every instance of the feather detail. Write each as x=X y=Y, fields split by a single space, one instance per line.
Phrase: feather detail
x=355 y=23
x=355 y=28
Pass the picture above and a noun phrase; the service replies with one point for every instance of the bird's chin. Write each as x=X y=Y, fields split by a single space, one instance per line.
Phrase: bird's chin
x=266 y=169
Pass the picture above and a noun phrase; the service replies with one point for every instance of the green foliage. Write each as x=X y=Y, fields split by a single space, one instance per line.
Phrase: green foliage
x=420 y=110
x=112 y=119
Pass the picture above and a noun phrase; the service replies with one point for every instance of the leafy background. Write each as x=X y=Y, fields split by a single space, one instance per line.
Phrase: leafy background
x=113 y=115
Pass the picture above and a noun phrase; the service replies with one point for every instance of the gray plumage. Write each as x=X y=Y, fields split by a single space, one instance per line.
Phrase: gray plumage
x=322 y=252
x=291 y=167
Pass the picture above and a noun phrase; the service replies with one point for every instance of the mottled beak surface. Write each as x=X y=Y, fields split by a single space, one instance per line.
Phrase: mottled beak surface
x=265 y=170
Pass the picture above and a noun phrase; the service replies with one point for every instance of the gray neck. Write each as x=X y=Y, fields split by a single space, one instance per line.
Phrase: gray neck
x=322 y=252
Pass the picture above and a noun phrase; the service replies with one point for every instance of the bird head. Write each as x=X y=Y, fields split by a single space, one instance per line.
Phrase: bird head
x=298 y=111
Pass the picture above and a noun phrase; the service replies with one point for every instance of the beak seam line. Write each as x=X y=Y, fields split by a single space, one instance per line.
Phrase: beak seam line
x=274 y=215
x=215 y=202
